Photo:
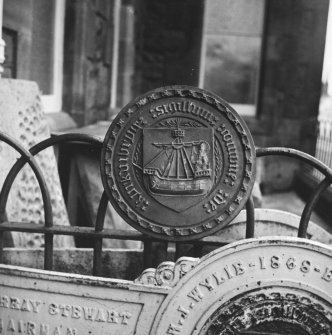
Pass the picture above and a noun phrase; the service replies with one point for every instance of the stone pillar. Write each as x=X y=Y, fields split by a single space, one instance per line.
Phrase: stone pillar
x=168 y=43
x=88 y=60
x=2 y=42
x=290 y=84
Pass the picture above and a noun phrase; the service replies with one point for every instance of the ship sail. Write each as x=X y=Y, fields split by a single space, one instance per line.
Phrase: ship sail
x=179 y=167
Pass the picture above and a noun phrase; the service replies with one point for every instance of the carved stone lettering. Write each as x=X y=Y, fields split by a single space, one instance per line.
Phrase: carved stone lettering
x=42 y=303
x=327 y=276
x=13 y=326
x=25 y=305
x=196 y=294
x=270 y=281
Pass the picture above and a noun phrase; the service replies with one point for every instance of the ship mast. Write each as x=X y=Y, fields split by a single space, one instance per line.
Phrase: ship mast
x=178 y=161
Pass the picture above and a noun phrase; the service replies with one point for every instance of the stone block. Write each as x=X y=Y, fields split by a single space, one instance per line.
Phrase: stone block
x=117 y=263
x=22 y=117
x=281 y=283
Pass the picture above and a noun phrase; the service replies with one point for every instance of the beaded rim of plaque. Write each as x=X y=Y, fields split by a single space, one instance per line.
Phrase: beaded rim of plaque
x=178 y=233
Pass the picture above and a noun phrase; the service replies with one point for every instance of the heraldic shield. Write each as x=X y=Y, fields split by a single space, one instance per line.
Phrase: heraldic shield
x=178 y=165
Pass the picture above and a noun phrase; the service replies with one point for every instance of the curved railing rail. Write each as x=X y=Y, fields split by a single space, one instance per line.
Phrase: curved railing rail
x=99 y=232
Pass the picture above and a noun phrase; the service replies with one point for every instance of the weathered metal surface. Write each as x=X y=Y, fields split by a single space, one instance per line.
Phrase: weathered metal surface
x=250 y=283
x=47 y=303
x=178 y=163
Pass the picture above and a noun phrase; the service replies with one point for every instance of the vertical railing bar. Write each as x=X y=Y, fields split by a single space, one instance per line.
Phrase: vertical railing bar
x=2 y=236
x=1 y=246
x=316 y=173
x=147 y=254
x=250 y=223
x=306 y=214
x=98 y=243
x=323 y=149
x=177 y=251
x=198 y=250
x=162 y=252
x=329 y=162
x=327 y=142
x=48 y=251
x=324 y=157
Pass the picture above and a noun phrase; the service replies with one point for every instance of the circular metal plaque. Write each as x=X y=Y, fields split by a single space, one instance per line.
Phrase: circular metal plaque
x=178 y=163
x=270 y=285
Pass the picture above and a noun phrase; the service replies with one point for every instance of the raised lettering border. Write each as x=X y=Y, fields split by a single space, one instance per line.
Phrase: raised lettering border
x=151 y=228
x=201 y=292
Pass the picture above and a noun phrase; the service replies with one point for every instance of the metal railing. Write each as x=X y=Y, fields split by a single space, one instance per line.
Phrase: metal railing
x=323 y=150
x=98 y=232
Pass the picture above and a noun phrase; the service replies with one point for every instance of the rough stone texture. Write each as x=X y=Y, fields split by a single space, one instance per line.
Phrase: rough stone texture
x=168 y=37
x=59 y=121
x=121 y=264
x=87 y=62
x=272 y=222
x=290 y=84
x=21 y=117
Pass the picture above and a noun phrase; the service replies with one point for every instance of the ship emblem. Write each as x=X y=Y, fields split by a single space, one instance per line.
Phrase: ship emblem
x=178 y=165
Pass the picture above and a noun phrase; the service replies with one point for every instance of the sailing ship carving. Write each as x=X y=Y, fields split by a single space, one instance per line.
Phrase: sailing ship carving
x=180 y=167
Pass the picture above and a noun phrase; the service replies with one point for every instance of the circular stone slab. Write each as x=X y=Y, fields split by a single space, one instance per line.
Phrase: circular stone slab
x=258 y=284
x=178 y=163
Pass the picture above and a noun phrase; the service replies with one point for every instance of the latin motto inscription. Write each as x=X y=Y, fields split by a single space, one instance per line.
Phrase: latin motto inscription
x=233 y=166
x=123 y=165
x=185 y=107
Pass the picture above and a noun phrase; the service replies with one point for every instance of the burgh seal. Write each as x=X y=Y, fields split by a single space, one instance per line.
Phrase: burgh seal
x=178 y=163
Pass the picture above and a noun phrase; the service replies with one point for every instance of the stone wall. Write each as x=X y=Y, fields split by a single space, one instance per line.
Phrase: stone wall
x=290 y=83
x=168 y=52
x=87 y=61
x=22 y=118
x=168 y=38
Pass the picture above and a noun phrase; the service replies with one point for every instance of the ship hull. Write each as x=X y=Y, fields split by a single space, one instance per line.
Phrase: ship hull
x=179 y=187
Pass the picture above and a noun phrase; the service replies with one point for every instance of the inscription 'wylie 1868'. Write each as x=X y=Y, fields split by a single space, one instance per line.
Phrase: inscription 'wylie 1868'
x=238 y=268
x=272 y=280
x=64 y=311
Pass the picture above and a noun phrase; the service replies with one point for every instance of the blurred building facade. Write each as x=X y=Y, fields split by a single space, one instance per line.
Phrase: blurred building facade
x=91 y=57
